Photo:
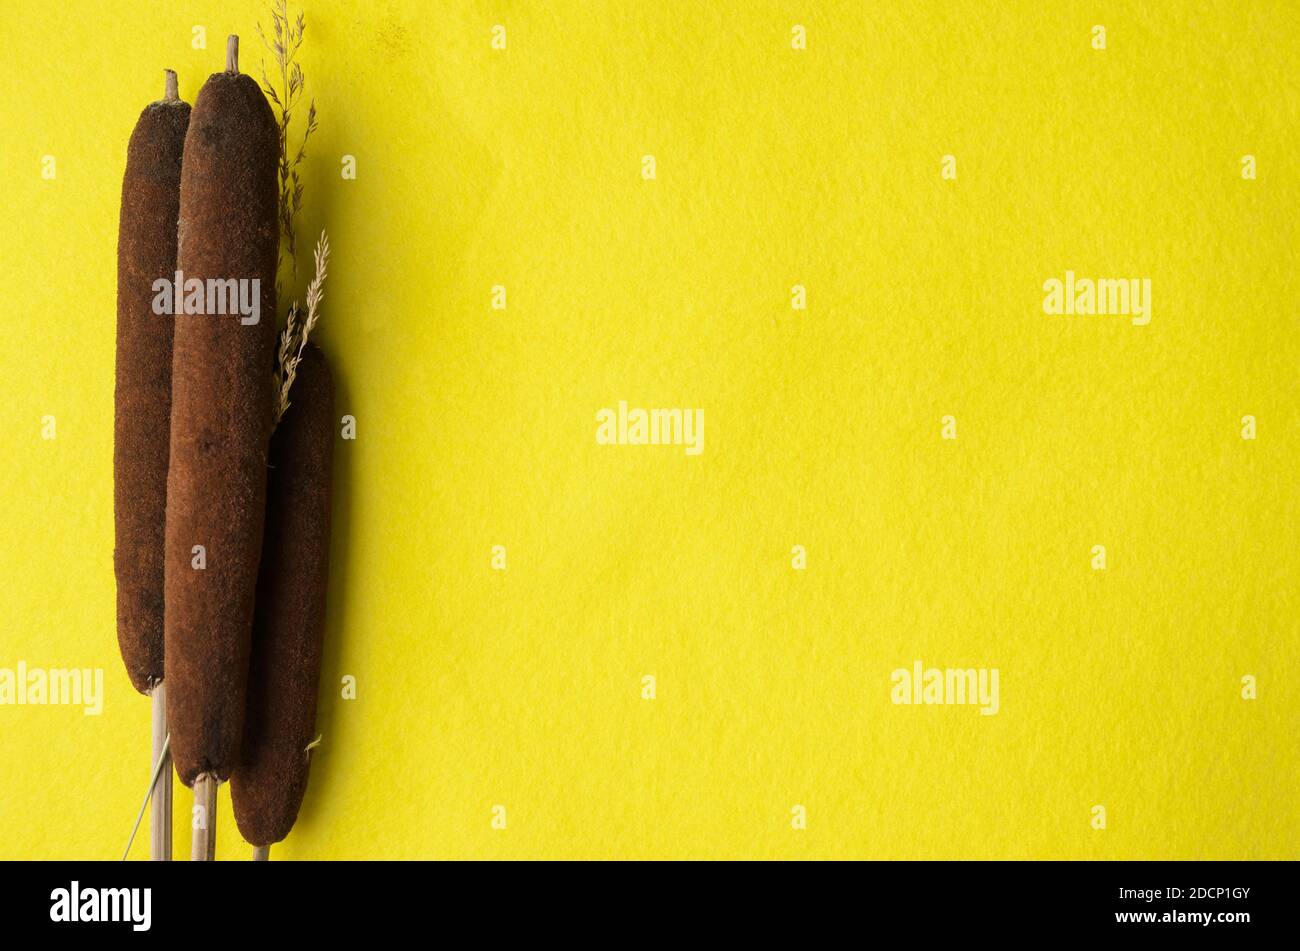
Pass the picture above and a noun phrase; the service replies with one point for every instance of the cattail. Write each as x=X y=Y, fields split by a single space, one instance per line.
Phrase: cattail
x=221 y=420
x=268 y=785
x=146 y=253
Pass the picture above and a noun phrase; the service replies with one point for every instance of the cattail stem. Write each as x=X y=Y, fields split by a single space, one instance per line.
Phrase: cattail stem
x=232 y=53
x=203 y=846
x=148 y=794
x=171 y=93
x=160 y=814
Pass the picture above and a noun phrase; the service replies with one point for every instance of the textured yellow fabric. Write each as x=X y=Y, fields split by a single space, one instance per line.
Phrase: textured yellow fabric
x=774 y=167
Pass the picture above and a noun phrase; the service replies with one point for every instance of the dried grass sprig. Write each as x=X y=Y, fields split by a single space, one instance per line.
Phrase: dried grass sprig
x=284 y=43
x=287 y=41
x=293 y=339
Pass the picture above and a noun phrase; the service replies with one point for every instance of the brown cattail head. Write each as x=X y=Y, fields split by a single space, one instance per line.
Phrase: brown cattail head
x=221 y=419
x=289 y=628
x=146 y=251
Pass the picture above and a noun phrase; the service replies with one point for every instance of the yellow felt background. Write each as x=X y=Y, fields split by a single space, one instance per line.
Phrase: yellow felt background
x=476 y=427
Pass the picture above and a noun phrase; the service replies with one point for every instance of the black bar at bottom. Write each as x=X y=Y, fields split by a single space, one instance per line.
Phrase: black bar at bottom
x=227 y=901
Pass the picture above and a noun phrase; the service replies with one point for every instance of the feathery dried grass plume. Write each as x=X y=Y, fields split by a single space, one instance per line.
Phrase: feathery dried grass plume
x=284 y=44
x=294 y=336
x=284 y=47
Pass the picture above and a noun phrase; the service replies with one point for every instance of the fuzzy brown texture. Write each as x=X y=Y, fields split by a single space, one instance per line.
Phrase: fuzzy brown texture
x=267 y=786
x=146 y=251
x=221 y=420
